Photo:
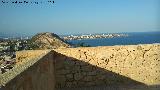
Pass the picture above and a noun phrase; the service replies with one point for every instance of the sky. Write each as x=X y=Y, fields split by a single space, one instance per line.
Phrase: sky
x=80 y=16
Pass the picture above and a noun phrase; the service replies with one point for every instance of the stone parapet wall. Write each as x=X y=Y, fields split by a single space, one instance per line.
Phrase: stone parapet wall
x=25 y=56
x=80 y=67
x=110 y=65
x=36 y=73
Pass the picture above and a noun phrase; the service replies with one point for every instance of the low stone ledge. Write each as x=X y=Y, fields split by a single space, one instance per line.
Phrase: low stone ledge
x=19 y=68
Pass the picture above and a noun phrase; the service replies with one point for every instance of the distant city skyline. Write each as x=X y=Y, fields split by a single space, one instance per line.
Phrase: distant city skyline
x=80 y=17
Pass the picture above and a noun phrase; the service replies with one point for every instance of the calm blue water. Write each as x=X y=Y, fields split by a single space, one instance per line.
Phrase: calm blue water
x=132 y=39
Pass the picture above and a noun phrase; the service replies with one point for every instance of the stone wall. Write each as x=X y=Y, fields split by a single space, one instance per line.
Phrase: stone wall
x=26 y=55
x=79 y=67
x=111 y=65
x=34 y=74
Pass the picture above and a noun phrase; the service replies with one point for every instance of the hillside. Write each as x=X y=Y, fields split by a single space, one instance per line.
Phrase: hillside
x=49 y=41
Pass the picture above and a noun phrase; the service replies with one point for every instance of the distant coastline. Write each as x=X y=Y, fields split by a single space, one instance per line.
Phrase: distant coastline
x=92 y=36
x=133 y=38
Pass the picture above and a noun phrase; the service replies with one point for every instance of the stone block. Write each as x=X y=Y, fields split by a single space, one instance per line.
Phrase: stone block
x=87 y=68
x=81 y=83
x=68 y=84
x=88 y=78
x=90 y=84
x=92 y=73
x=69 y=76
x=78 y=76
x=69 y=62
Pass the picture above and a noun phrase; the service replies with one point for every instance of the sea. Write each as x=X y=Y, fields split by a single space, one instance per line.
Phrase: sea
x=133 y=38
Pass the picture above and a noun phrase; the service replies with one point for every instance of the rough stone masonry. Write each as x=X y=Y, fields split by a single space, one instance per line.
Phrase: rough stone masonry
x=111 y=65
x=80 y=67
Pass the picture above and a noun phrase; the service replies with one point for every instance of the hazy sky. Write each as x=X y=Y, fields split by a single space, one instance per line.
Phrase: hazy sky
x=80 y=16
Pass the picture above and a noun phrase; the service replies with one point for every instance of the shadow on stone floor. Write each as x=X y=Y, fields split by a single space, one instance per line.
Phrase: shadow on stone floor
x=112 y=87
x=74 y=74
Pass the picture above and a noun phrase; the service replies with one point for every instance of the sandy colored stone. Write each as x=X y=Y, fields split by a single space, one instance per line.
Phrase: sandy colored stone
x=138 y=62
x=90 y=66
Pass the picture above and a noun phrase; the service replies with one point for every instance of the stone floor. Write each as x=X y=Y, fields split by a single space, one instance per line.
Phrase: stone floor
x=115 y=88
